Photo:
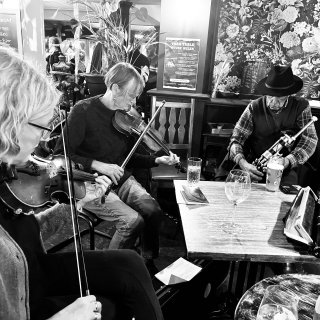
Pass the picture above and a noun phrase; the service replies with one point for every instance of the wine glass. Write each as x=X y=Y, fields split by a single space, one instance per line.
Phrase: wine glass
x=237 y=189
x=278 y=303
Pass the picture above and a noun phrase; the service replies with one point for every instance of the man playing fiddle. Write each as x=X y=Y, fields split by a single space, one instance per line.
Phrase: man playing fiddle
x=96 y=146
x=33 y=284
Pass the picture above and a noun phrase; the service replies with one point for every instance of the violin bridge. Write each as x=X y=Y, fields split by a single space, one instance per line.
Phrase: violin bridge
x=52 y=170
x=134 y=130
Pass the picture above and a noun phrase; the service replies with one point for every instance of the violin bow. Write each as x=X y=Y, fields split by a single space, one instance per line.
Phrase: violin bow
x=126 y=160
x=81 y=267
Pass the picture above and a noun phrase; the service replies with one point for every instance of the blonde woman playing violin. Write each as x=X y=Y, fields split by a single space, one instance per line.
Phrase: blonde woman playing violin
x=35 y=285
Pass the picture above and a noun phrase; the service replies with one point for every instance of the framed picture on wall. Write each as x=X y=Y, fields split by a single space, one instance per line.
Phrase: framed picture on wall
x=10 y=29
x=181 y=63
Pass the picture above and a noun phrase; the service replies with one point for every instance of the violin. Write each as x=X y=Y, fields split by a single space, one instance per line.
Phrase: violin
x=131 y=124
x=41 y=182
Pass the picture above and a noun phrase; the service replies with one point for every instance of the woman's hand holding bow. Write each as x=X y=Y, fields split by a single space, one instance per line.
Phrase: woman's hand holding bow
x=84 y=308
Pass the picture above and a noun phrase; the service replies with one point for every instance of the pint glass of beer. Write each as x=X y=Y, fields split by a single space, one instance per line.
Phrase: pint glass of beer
x=274 y=173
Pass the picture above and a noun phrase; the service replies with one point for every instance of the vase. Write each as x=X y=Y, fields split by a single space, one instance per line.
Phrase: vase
x=61 y=70
x=253 y=72
x=95 y=84
x=227 y=94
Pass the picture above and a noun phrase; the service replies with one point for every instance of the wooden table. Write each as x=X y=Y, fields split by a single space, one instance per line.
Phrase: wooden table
x=260 y=216
x=305 y=286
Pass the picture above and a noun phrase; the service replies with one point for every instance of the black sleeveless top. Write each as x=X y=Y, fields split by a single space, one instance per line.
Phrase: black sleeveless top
x=24 y=229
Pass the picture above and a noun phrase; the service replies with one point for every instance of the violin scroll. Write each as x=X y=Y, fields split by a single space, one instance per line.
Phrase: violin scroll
x=180 y=167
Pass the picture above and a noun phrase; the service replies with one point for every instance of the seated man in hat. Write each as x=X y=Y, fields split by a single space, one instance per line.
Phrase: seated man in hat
x=266 y=118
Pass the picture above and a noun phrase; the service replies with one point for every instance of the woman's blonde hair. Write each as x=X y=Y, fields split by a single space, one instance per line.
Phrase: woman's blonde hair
x=121 y=74
x=24 y=93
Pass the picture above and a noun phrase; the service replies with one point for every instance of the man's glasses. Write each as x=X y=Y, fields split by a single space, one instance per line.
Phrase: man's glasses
x=39 y=127
x=131 y=95
x=276 y=102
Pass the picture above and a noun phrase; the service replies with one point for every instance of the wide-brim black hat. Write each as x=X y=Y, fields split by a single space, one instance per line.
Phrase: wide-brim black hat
x=279 y=82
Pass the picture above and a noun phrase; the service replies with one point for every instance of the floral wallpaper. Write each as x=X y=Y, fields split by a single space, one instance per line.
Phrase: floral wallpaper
x=256 y=34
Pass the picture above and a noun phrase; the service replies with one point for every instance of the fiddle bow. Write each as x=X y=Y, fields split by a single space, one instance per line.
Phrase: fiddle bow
x=81 y=267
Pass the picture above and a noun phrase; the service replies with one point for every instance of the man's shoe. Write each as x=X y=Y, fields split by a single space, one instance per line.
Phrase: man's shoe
x=151 y=267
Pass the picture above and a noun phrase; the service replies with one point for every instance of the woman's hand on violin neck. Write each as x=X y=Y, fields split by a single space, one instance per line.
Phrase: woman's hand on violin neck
x=170 y=160
x=113 y=171
x=85 y=308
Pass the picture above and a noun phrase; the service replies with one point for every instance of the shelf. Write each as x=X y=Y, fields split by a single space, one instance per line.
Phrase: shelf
x=215 y=135
x=179 y=94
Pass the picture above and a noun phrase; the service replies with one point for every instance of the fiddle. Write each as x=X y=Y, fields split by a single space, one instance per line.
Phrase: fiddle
x=41 y=182
x=131 y=124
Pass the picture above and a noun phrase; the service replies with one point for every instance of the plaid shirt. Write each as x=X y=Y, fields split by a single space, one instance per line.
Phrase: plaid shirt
x=301 y=153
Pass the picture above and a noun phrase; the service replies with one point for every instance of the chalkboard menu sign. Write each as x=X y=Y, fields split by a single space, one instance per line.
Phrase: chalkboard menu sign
x=10 y=31
x=181 y=63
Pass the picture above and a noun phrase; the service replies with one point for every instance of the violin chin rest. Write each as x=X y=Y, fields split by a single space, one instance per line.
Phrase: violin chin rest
x=28 y=171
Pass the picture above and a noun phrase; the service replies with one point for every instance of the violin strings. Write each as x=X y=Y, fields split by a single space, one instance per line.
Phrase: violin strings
x=80 y=174
x=166 y=149
x=157 y=140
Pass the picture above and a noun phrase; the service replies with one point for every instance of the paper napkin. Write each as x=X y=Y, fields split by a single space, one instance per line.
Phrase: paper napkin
x=179 y=271
x=193 y=195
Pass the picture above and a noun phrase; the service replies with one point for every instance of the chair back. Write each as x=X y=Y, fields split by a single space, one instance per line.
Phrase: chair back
x=175 y=124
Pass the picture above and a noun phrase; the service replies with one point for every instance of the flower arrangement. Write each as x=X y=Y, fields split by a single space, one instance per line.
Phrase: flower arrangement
x=221 y=80
x=273 y=31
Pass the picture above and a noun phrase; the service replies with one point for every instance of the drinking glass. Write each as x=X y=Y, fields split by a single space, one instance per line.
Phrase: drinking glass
x=278 y=303
x=194 y=171
x=237 y=189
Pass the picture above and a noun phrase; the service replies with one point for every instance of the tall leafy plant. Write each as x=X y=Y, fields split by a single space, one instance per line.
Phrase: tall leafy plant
x=112 y=43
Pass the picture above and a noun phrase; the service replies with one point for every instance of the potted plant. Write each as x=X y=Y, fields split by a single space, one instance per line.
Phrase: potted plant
x=108 y=26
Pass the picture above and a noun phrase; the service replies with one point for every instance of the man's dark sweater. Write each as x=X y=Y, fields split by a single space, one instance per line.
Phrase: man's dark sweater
x=92 y=136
